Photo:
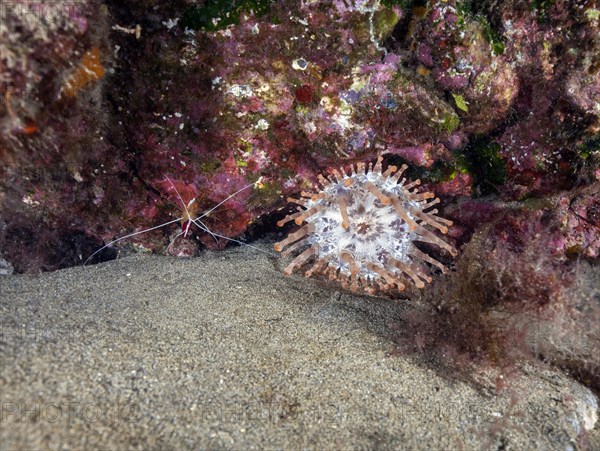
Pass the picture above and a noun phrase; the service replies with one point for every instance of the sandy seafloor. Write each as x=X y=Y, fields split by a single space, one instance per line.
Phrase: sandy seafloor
x=224 y=352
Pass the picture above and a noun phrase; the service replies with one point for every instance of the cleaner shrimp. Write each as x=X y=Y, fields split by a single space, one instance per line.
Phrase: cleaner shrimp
x=186 y=222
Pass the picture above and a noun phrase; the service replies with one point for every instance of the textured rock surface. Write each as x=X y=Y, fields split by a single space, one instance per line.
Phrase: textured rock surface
x=141 y=353
x=103 y=102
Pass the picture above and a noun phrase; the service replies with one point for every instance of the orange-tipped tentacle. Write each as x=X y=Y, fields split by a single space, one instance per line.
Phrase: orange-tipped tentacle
x=412 y=184
x=297 y=245
x=407 y=269
x=428 y=219
x=331 y=272
x=301 y=259
x=316 y=268
x=427 y=258
x=308 y=213
x=420 y=270
x=293 y=237
x=348 y=258
x=412 y=225
x=389 y=171
x=343 y=203
x=360 y=168
x=289 y=218
x=338 y=176
x=385 y=200
x=430 y=204
x=318 y=196
x=428 y=237
x=419 y=196
x=398 y=174
x=302 y=202
x=439 y=219
x=387 y=276
x=323 y=181
x=377 y=168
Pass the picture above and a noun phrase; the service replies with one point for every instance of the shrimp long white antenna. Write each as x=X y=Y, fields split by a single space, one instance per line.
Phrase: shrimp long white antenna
x=203 y=227
x=129 y=236
x=197 y=221
x=206 y=213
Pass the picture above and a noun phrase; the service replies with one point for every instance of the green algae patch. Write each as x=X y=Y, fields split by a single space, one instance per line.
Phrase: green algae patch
x=219 y=14
x=485 y=164
x=265 y=193
x=541 y=7
x=384 y=22
x=491 y=35
x=589 y=148
x=441 y=171
x=210 y=166
x=461 y=103
x=404 y=4
x=449 y=122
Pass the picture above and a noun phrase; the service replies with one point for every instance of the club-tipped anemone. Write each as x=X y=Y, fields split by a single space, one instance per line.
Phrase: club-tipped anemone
x=361 y=229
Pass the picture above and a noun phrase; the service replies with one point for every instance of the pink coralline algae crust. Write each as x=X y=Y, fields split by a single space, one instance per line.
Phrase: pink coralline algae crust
x=453 y=50
x=563 y=226
x=512 y=73
x=281 y=112
x=458 y=185
x=554 y=69
x=486 y=99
